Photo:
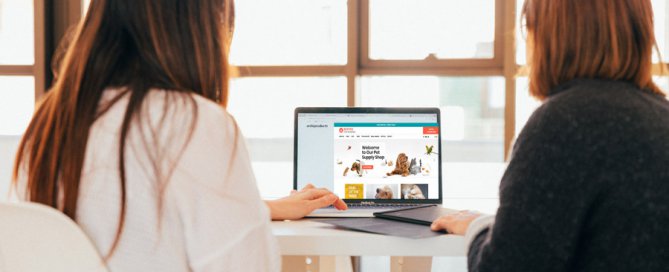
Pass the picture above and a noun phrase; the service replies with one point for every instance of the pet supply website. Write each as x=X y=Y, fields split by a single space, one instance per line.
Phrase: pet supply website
x=369 y=156
x=386 y=160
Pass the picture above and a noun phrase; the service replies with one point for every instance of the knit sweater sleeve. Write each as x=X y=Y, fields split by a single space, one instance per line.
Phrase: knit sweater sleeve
x=544 y=197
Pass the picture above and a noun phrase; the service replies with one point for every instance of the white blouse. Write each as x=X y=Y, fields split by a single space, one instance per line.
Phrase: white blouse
x=192 y=201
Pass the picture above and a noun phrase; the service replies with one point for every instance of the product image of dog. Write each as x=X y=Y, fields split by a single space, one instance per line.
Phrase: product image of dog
x=355 y=167
x=412 y=191
x=384 y=193
x=401 y=166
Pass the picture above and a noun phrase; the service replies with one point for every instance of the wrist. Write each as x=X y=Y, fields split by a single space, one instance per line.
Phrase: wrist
x=477 y=226
x=271 y=206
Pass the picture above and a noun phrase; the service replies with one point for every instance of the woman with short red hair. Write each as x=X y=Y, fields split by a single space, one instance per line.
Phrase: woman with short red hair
x=587 y=188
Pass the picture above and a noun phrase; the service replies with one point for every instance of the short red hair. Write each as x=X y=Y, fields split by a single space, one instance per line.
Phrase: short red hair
x=605 y=39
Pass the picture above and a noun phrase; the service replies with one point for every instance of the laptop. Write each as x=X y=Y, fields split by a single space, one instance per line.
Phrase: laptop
x=375 y=159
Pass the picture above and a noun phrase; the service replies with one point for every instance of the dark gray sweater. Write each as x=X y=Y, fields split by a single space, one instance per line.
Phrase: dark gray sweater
x=587 y=188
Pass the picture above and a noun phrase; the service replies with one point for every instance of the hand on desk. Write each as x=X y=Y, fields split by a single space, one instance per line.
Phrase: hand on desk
x=303 y=202
x=456 y=223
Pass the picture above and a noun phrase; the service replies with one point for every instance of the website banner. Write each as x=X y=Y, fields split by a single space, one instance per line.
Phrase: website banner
x=386 y=160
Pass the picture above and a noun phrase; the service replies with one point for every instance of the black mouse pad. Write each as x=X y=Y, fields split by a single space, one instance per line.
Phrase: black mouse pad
x=421 y=215
x=383 y=226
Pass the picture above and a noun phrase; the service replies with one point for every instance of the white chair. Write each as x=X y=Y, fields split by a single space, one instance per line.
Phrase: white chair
x=36 y=238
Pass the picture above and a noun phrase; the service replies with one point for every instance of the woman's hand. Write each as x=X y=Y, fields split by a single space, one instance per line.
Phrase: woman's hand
x=303 y=202
x=456 y=223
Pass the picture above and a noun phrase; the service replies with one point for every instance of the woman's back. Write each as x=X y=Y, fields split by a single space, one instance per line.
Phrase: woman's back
x=191 y=204
x=625 y=133
x=587 y=188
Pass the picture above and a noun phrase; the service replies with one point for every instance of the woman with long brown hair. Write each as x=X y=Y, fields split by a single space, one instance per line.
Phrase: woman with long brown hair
x=587 y=187
x=133 y=143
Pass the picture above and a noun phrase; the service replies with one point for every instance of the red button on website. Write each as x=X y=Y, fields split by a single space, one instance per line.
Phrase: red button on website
x=430 y=130
x=368 y=167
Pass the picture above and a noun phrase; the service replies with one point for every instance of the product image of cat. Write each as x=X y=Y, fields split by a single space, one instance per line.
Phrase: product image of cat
x=414 y=168
x=401 y=166
x=412 y=191
x=384 y=192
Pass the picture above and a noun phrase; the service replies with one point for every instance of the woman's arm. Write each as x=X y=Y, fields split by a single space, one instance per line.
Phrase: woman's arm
x=303 y=202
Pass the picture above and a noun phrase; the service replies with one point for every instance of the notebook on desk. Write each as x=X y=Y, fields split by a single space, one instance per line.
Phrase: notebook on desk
x=375 y=159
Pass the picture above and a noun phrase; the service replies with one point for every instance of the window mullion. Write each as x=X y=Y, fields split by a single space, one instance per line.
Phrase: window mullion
x=354 y=50
x=508 y=11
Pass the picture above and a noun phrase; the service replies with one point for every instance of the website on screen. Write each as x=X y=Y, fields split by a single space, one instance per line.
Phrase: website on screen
x=370 y=156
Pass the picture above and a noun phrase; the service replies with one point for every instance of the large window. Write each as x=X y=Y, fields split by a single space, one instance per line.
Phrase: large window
x=465 y=57
x=369 y=53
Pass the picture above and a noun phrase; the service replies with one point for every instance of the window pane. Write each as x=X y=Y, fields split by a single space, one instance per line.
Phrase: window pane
x=264 y=106
x=662 y=82
x=472 y=110
x=290 y=32
x=660 y=10
x=405 y=30
x=264 y=109
x=17 y=32
x=17 y=102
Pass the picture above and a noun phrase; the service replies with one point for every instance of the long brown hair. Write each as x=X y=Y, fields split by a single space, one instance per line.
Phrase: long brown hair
x=178 y=46
x=606 y=39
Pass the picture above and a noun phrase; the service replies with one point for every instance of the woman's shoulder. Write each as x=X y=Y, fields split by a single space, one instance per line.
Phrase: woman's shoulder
x=171 y=122
x=174 y=112
x=595 y=102
x=188 y=103
x=163 y=105
x=598 y=111
x=592 y=96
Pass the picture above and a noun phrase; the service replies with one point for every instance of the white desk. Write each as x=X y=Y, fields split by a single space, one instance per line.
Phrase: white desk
x=314 y=246
x=466 y=186
x=306 y=237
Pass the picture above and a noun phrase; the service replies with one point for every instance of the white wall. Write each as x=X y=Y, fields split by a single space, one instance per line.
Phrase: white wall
x=8 y=145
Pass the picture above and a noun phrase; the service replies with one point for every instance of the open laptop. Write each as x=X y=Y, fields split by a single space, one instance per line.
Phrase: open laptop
x=375 y=159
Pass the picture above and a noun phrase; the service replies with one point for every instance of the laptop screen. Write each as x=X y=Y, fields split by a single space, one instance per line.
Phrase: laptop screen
x=391 y=157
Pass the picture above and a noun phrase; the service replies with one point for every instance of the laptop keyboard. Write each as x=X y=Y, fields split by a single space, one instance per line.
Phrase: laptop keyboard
x=382 y=205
